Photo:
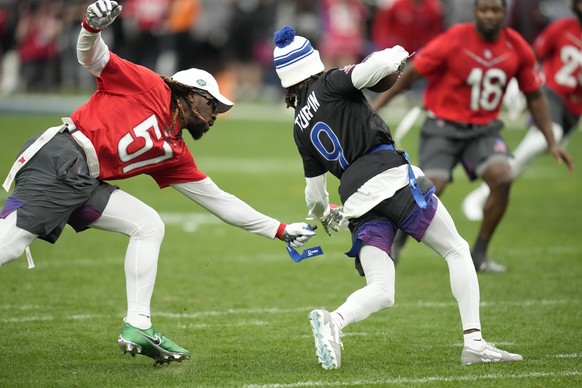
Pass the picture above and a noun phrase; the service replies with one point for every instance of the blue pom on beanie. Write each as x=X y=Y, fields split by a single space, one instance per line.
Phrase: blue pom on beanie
x=284 y=36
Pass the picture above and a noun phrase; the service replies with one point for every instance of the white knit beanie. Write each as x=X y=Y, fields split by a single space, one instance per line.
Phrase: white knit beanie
x=295 y=58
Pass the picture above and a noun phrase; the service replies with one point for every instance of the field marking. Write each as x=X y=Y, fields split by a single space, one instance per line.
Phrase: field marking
x=249 y=165
x=274 y=310
x=28 y=319
x=574 y=355
x=215 y=325
x=20 y=307
x=215 y=313
x=189 y=222
x=420 y=380
x=527 y=303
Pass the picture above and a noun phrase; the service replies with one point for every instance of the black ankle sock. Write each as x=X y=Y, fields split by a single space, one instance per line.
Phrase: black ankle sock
x=479 y=252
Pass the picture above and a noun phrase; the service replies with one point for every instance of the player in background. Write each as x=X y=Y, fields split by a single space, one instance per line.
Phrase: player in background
x=133 y=124
x=467 y=69
x=559 y=48
x=337 y=131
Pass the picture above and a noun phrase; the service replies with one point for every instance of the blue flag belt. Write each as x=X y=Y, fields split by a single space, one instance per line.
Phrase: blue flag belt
x=416 y=193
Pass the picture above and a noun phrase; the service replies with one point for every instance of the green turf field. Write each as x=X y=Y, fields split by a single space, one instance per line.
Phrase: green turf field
x=240 y=305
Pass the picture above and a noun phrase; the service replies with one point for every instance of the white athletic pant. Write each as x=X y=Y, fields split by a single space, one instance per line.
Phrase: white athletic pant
x=13 y=240
x=531 y=146
x=443 y=238
x=124 y=214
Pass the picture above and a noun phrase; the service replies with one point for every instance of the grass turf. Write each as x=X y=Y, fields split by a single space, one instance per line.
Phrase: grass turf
x=240 y=305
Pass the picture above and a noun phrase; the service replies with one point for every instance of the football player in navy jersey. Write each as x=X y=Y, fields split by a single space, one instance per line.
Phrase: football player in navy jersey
x=337 y=131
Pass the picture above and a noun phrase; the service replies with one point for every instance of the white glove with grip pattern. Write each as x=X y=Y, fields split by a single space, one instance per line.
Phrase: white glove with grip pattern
x=102 y=13
x=297 y=234
x=332 y=218
x=396 y=56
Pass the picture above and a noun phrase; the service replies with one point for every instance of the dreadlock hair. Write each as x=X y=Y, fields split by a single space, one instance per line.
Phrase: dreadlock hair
x=293 y=91
x=180 y=92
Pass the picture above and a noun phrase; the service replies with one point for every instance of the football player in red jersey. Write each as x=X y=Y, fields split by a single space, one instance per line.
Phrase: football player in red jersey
x=467 y=69
x=559 y=48
x=133 y=124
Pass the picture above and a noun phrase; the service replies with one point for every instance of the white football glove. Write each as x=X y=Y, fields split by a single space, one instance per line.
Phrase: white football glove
x=297 y=234
x=102 y=13
x=331 y=219
x=397 y=57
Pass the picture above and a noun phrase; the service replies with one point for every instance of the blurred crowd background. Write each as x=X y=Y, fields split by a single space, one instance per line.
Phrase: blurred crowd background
x=232 y=39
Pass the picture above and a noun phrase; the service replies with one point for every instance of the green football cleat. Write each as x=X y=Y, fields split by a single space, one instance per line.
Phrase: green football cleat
x=150 y=342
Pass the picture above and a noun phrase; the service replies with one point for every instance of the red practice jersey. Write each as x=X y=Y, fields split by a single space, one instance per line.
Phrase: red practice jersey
x=136 y=140
x=467 y=76
x=559 y=47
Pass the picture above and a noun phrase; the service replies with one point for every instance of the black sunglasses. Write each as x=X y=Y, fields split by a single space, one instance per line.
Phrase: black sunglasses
x=213 y=102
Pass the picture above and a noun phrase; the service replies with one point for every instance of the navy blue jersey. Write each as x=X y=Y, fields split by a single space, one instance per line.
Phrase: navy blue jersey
x=335 y=126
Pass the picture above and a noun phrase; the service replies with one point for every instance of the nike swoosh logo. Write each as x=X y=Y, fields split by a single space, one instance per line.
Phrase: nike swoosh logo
x=154 y=340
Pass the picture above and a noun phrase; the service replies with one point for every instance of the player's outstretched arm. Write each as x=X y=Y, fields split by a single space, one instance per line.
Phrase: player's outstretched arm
x=236 y=212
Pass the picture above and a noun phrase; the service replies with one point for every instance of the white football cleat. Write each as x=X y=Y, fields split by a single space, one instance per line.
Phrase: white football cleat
x=487 y=353
x=474 y=202
x=328 y=345
x=492 y=267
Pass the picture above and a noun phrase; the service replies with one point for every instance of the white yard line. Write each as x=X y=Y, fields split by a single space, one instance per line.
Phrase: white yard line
x=421 y=380
x=272 y=310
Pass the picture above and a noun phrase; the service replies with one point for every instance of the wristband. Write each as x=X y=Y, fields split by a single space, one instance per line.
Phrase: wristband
x=88 y=27
x=280 y=230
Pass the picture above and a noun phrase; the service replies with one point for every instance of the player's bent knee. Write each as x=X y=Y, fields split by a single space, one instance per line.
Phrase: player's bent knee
x=502 y=184
x=505 y=185
x=9 y=253
x=150 y=225
x=156 y=227
x=461 y=246
x=384 y=297
x=460 y=250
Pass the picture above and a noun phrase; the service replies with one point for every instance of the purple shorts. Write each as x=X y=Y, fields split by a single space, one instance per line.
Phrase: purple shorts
x=378 y=227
